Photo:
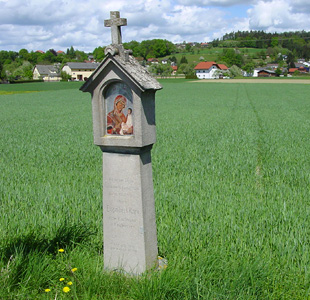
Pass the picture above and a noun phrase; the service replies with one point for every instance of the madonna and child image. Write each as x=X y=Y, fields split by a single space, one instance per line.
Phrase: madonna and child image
x=117 y=122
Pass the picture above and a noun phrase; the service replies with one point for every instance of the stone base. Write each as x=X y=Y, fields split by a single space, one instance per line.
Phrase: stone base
x=129 y=225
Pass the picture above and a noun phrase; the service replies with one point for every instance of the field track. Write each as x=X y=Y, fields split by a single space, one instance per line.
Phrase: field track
x=299 y=81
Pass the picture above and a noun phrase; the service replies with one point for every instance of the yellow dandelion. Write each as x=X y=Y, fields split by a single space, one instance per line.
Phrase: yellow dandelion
x=61 y=250
x=47 y=290
x=69 y=283
x=66 y=289
x=74 y=269
x=61 y=279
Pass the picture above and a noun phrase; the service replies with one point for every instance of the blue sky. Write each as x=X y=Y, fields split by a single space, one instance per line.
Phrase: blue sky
x=41 y=25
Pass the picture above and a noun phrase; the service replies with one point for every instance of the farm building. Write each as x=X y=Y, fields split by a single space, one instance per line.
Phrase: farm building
x=261 y=72
x=80 y=70
x=209 y=70
x=266 y=73
x=46 y=72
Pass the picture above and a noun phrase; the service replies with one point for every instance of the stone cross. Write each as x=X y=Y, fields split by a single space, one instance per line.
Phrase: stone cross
x=115 y=23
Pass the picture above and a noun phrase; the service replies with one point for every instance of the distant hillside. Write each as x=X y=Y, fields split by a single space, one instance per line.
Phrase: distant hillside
x=297 y=41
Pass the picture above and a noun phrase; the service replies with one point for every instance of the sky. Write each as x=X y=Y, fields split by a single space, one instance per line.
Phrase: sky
x=60 y=24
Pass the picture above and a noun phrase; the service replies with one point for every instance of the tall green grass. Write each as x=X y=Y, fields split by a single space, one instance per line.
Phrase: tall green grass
x=231 y=178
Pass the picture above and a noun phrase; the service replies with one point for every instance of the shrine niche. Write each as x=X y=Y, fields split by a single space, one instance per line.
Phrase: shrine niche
x=119 y=109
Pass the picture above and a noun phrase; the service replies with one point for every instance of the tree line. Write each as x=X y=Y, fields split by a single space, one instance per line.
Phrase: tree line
x=14 y=65
x=298 y=42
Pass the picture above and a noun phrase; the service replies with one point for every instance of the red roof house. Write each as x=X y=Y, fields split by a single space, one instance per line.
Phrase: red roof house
x=207 y=69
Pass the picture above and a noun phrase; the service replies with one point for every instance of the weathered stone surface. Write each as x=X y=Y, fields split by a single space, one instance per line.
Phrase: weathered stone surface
x=130 y=242
x=115 y=23
x=131 y=69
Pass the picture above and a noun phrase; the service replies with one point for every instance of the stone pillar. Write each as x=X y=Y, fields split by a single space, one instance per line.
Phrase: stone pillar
x=130 y=242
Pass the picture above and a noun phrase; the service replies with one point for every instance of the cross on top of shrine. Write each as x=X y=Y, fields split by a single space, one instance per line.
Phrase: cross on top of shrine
x=115 y=23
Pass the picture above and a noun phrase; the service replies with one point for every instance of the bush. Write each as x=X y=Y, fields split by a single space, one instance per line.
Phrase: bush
x=191 y=76
x=25 y=81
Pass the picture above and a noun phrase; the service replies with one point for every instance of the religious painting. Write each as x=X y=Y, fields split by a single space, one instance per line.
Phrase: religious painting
x=119 y=109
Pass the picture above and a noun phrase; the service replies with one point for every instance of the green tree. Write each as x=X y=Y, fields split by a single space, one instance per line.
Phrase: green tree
x=278 y=72
x=183 y=60
x=134 y=46
x=99 y=53
x=249 y=67
x=80 y=55
x=1 y=69
x=188 y=47
x=65 y=76
x=290 y=60
x=71 y=53
x=173 y=59
x=230 y=57
x=23 y=54
x=146 y=49
x=235 y=71
x=24 y=71
x=275 y=42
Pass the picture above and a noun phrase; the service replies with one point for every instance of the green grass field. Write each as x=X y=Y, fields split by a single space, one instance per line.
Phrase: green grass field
x=231 y=179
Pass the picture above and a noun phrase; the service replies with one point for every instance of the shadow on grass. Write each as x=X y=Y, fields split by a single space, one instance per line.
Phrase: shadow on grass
x=29 y=255
x=66 y=236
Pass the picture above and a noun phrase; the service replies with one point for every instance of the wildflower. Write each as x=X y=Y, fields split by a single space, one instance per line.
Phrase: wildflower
x=61 y=250
x=47 y=290
x=66 y=289
x=73 y=270
x=69 y=283
x=61 y=279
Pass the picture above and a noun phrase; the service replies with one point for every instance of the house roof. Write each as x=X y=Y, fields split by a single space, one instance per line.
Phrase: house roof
x=174 y=68
x=299 y=65
x=82 y=65
x=267 y=71
x=138 y=74
x=222 y=66
x=292 y=70
x=49 y=70
x=206 y=65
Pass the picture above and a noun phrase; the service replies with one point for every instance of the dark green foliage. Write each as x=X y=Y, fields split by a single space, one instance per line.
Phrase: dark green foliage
x=151 y=48
x=99 y=53
x=297 y=41
x=231 y=57
x=183 y=60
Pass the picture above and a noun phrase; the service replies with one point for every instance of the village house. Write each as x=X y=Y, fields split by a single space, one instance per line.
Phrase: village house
x=79 y=71
x=266 y=73
x=272 y=66
x=174 y=70
x=209 y=70
x=301 y=69
x=152 y=60
x=46 y=73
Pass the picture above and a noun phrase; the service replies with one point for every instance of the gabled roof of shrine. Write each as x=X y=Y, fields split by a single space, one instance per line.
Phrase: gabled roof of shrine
x=138 y=74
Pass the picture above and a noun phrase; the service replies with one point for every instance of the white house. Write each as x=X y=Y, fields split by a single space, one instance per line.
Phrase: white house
x=46 y=72
x=209 y=70
x=80 y=70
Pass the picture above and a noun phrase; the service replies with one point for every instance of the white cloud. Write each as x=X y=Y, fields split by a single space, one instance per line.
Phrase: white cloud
x=214 y=2
x=37 y=24
x=277 y=16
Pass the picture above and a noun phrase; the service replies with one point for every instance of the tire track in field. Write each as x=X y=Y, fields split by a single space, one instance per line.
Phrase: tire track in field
x=260 y=143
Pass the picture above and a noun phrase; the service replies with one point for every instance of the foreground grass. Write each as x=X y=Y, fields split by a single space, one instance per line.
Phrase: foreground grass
x=231 y=182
